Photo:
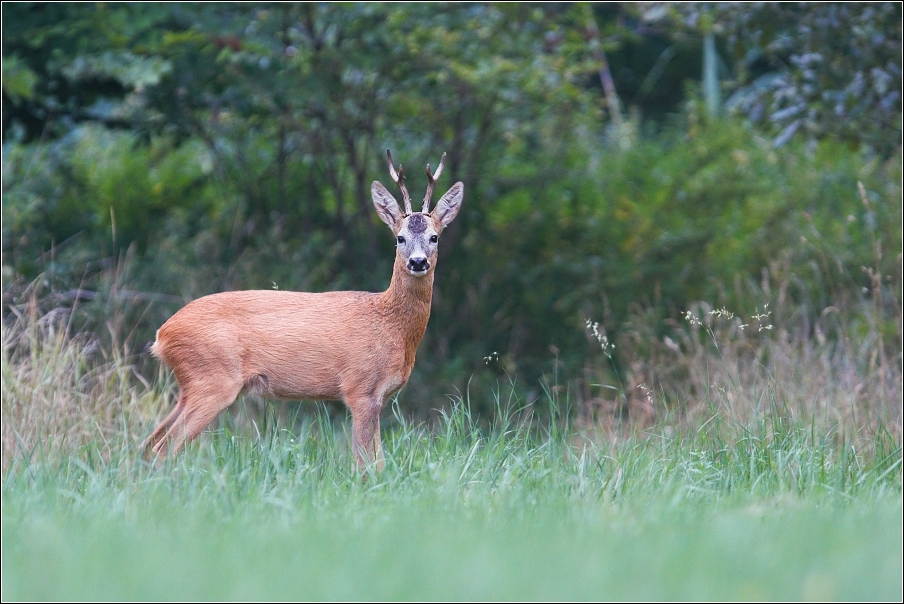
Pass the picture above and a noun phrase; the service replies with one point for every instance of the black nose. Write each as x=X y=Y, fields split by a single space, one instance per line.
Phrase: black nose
x=418 y=265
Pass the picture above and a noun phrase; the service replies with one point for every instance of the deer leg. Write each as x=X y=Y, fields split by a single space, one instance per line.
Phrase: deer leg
x=160 y=431
x=366 y=432
x=198 y=410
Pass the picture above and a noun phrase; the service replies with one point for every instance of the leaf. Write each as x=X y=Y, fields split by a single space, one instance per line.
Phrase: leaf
x=19 y=80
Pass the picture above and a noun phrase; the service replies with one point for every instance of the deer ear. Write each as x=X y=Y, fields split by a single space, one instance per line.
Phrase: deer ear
x=386 y=204
x=447 y=207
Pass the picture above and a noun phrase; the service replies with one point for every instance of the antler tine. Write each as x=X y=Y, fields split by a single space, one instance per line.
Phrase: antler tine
x=392 y=172
x=431 y=182
x=399 y=179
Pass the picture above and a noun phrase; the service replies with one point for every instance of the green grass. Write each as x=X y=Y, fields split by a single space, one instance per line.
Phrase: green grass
x=784 y=550
x=510 y=511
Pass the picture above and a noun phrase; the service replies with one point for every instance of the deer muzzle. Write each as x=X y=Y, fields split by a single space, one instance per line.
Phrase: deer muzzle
x=418 y=264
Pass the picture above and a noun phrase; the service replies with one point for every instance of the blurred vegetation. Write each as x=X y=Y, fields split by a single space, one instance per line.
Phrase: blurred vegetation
x=154 y=153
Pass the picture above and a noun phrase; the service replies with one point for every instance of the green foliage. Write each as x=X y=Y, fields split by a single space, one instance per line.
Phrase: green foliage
x=663 y=224
x=18 y=80
x=825 y=70
x=667 y=223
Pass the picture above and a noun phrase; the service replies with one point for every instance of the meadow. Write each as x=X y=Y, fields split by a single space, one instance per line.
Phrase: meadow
x=750 y=491
x=664 y=358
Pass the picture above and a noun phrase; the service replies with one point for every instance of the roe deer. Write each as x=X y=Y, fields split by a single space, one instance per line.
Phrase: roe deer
x=358 y=347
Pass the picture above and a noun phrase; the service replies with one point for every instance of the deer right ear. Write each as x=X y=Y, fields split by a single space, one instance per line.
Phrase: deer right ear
x=387 y=206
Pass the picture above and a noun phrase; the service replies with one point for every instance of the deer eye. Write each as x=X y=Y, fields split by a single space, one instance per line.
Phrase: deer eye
x=400 y=239
x=433 y=238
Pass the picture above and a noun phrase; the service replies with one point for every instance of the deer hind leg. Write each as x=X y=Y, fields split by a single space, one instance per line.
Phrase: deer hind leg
x=366 y=432
x=155 y=437
x=199 y=407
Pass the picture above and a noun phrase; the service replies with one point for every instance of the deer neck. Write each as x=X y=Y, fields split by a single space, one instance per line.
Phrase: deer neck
x=407 y=304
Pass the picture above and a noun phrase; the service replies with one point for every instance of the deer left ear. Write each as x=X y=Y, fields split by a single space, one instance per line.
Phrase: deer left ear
x=386 y=205
x=448 y=206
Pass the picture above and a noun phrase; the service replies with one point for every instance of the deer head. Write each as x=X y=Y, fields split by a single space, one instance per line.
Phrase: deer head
x=417 y=233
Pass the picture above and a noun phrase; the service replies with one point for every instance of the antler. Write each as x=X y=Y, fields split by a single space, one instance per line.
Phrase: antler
x=431 y=181
x=399 y=179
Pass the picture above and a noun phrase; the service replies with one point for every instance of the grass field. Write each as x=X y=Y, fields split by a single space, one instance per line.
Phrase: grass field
x=461 y=513
x=763 y=499
x=789 y=551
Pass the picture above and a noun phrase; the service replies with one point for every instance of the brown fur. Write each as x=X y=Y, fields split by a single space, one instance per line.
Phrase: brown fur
x=357 y=347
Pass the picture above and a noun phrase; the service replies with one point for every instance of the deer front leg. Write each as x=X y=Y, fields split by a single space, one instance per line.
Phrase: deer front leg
x=366 y=432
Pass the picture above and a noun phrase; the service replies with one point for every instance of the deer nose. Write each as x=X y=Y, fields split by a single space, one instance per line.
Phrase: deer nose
x=418 y=265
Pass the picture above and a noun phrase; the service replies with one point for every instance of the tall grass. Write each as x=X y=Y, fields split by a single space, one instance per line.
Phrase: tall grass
x=772 y=364
x=62 y=390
